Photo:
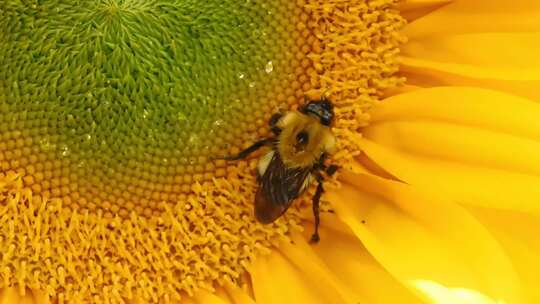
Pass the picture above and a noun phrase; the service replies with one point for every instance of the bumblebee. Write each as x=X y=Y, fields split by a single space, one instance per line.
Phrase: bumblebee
x=302 y=142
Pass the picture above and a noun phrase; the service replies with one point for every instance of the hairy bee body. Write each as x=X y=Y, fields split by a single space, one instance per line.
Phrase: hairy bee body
x=303 y=140
x=320 y=139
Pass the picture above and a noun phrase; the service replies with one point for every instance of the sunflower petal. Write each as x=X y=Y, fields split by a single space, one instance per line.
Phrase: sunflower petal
x=444 y=60
x=465 y=184
x=205 y=297
x=237 y=295
x=459 y=143
x=9 y=296
x=469 y=106
x=414 y=9
x=40 y=297
x=504 y=56
x=482 y=146
x=354 y=267
x=478 y=16
x=420 y=73
x=414 y=236
x=276 y=280
x=518 y=235
x=440 y=294
x=301 y=255
x=501 y=39
x=13 y=295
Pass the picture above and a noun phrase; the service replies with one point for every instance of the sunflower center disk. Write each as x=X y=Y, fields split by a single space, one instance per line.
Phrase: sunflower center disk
x=110 y=114
x=119 y=104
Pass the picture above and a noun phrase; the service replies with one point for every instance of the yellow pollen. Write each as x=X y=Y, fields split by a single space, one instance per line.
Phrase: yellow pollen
x=207 y=237
x=359 y=45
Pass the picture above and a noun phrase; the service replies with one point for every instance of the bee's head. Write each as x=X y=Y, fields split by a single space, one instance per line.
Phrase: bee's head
x=322 y=108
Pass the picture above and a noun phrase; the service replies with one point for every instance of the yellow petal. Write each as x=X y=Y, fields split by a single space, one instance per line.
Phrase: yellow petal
x=40 y=297
x=276 y=280
x=475 y=146
x=419 y=236
x=504 y=56
x=518 y=235
x=476 y=16
x=513 y=67
x=441 y=294
x=354 y=267
x=468 y=106
x=465 y=184
x=205 y=297
x=13 y=295
x=238 y=296
x=426 y=74
x=414 y=9
x=494 y=45
x=301 y=255
x=9 y=296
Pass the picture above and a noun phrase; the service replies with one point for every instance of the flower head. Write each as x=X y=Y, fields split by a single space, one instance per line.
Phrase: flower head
x=113 y=113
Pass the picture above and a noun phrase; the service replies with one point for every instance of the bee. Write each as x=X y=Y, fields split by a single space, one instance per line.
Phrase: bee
x=301 y=143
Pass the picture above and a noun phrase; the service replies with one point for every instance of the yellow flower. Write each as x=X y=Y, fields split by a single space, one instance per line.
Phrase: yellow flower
x=435 y=202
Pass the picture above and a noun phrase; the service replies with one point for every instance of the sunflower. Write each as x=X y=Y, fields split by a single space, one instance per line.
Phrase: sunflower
x=112 y=113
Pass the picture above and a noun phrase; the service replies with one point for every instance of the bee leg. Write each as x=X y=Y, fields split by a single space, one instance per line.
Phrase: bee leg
x=316 y=212
x=250 y=149
x=273 y=121
x=330 y=170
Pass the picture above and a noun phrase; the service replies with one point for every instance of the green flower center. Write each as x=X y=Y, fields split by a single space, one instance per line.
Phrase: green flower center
x=133 y=97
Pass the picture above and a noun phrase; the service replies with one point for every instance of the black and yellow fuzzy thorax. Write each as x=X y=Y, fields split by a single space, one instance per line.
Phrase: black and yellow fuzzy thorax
x=318 y=139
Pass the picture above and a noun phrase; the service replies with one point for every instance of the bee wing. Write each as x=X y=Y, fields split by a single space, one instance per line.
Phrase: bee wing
x=279 y=186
